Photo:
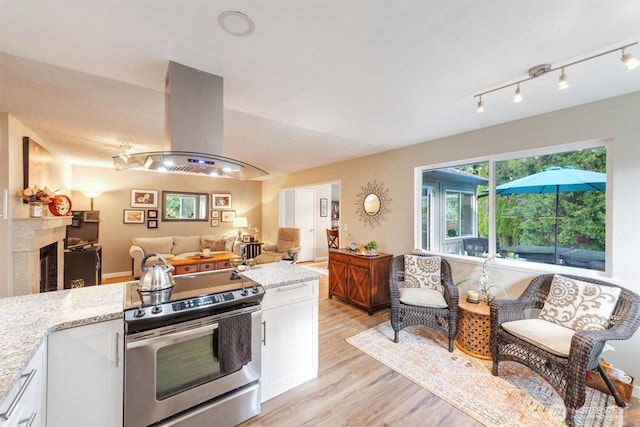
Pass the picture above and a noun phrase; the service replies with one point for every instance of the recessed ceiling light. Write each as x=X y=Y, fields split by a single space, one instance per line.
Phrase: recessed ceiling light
x=236 y=23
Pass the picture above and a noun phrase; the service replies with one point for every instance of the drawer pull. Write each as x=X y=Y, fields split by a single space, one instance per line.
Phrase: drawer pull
x=28 y=421
x=12 y=406
x=290 y=288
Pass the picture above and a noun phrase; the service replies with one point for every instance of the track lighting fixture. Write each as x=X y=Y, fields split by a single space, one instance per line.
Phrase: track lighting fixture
x=563 y=83
x=480 y=105
x=630 y=60
x=518 y=96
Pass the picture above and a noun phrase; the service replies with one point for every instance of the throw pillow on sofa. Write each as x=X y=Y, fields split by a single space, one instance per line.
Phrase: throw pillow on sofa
x=214 y=245
x=229 y=240
x=160 y=245
x=182 y=244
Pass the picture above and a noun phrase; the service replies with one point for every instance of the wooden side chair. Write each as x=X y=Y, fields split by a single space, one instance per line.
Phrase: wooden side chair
x=333 y=238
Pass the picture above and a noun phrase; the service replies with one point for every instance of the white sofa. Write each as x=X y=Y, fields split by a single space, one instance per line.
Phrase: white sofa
x=178 y=247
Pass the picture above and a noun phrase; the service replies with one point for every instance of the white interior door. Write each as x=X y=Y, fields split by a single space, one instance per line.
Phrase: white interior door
x=304 y=220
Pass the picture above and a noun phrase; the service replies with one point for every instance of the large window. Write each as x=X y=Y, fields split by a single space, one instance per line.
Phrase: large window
x=547 y=208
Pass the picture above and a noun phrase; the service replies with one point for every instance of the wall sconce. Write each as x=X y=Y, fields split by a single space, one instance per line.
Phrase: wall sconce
x=629 y=60
x=91 y=195
x=240 y=222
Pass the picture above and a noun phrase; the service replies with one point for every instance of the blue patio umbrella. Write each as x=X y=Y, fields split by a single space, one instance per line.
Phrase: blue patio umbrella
x=556 y=179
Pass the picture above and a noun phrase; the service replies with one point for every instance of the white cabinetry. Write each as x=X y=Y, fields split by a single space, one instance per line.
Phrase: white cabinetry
x=25 y=404
x=289 y=337
x=85 y=376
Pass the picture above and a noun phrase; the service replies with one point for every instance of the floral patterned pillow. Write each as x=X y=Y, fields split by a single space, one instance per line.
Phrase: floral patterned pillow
x=579 y=305
x=422 y=272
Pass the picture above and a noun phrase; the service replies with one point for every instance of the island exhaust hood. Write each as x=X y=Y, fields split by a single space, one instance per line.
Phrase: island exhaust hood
x=194 y=130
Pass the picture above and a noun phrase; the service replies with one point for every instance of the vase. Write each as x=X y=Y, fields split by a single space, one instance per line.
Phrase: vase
x=35 y=209
x=486 y=297
x=373 y=252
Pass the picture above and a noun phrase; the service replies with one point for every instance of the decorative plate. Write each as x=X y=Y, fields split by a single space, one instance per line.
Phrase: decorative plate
x=60 y=205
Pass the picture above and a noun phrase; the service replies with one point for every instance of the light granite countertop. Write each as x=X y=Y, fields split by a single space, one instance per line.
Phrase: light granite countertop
x=26 y=321
x=280 y=274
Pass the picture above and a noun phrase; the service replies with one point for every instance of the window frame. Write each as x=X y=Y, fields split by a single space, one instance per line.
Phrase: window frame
x=491 y=159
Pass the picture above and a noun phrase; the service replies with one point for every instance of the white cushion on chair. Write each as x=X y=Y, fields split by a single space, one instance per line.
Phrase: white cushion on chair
x=423 y=297
x=579 y=305
x=422 y=272
x=549 y=336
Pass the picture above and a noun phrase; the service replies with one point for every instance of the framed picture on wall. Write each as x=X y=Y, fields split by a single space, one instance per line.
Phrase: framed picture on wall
x=152 y=223
x=221 y=200
x=133 y=216
x=91 y=216
x=324 y=207
x=228 y=216
x=215 y=214
x=246 y=238
x=215 y=223
x=144 y=198
x=152 y=213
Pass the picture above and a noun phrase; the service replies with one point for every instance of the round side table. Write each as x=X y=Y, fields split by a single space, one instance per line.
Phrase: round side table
x=473 y=329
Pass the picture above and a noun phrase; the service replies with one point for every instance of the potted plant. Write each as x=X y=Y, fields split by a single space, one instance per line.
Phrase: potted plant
x=483 y=294
x=372 y=247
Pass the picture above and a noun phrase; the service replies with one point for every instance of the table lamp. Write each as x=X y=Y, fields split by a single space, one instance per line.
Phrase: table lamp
x=240 y=222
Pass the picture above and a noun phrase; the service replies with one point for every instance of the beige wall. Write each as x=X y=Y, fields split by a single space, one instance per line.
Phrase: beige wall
x=11 y=133
x=115 y=236
x=616 y=119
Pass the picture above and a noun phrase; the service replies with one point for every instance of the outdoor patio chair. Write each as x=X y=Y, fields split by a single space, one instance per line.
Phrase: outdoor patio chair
x=423 y=293
x=477 y=246
x=558 y=348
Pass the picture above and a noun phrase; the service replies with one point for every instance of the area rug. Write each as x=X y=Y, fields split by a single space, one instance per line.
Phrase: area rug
x=319 y=268
x=516 y=398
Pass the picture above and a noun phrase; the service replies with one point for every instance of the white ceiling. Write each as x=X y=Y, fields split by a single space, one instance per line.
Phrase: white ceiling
x=318 y=81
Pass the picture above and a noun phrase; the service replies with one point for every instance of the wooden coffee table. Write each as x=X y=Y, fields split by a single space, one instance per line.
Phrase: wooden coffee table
x=195 y=264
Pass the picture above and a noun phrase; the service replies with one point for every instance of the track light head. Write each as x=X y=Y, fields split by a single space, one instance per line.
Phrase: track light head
x=480 y=105
x=518 y=96
x=629 y=60
x=563 y=83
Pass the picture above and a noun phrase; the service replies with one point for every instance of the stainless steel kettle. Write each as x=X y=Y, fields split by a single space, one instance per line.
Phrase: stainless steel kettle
x=156 y=281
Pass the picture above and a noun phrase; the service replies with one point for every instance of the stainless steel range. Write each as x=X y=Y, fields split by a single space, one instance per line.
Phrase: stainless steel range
x=195 y=358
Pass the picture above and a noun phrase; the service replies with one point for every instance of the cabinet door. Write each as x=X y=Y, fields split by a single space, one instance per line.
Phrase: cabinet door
x=289 y=347
x=85 y=376
x=359 y=286
x=338 y=278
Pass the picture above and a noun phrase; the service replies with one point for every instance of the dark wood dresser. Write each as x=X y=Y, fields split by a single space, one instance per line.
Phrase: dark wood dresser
x=360 y=280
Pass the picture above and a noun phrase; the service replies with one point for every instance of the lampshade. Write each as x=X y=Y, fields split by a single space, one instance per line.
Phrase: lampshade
x=240 y=222
x=92 y=194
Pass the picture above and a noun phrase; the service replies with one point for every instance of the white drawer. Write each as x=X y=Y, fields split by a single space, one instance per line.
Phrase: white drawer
x=288 y=294
x=25 y=400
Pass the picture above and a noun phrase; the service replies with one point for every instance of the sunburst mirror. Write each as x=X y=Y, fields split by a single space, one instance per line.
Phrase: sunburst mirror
x=372 y=204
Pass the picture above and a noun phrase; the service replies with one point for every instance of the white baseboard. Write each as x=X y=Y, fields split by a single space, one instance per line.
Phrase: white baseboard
x=117 y=274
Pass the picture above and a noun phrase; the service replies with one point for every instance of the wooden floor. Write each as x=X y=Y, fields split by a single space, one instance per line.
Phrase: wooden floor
x=353 y=389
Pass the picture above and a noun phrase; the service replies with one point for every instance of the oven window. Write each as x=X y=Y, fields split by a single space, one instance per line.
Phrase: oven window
x=185 y=365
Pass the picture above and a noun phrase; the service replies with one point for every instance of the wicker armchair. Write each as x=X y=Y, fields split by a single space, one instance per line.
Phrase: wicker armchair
x=444 y=320
x=565 y=374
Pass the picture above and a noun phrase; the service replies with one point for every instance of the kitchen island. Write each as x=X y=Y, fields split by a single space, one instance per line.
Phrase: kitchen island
x=26 y=321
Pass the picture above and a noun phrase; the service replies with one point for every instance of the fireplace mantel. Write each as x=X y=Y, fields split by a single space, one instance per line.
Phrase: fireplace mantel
x=28 y=235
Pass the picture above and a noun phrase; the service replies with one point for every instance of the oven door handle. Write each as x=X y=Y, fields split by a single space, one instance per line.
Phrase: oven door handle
x=174 y=337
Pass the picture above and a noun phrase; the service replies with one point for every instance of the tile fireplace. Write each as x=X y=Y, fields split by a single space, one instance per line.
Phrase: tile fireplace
x=28 y=237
